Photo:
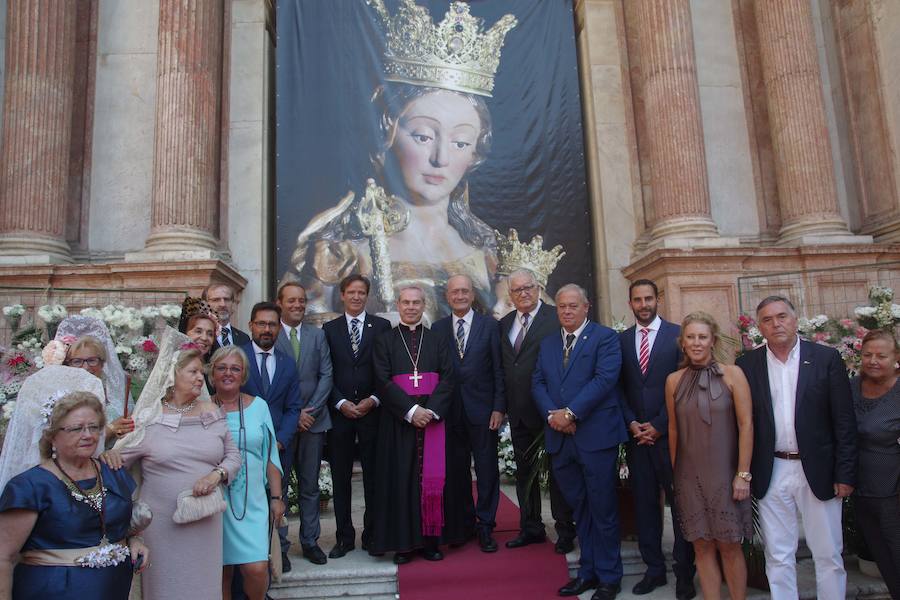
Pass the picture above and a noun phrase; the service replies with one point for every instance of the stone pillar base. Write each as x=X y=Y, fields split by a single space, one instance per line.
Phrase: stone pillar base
x=23 y=249
x=708 y=278
x=180 y=239
x=687 y=232
x=827 y=230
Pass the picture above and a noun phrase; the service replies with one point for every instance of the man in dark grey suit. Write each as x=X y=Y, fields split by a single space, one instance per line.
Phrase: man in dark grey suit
x=521 y=332
x=220 y=297
x=307 y=345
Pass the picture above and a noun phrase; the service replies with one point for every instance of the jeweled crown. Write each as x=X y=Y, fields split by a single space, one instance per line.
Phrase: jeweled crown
x=455 y=54
x=513 y=255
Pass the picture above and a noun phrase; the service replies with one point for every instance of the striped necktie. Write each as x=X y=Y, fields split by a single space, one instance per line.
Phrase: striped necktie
x=644 y=356
x=461 y=337
x=226 y=336
x=354 y=337
x=517 y=345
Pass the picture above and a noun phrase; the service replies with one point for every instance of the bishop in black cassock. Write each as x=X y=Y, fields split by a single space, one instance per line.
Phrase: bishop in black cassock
x=409 y=354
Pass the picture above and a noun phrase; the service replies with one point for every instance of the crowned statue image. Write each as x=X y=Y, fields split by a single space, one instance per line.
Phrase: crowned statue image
x=412 y=223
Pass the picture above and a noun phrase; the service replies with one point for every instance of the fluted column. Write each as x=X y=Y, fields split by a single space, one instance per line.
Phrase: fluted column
x=679 y=184
x=37 y=128
x=807 y=193
x=184 y=214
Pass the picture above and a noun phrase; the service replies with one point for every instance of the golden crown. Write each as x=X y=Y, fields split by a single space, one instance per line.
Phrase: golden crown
x=455 y=54
x=513 y=255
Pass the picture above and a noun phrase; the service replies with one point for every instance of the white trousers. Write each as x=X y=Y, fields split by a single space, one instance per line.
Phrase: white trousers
x=788 y=497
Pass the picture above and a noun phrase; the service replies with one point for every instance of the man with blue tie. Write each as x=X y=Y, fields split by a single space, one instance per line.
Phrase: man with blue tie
x=479 y=406
x=273 y=377
x=307 y=346
x=354 y=407
x=575 y=387
x=650 y=352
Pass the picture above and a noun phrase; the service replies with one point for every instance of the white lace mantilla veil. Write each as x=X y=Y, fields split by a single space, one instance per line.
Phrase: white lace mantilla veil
x=114 y=379
x=162 y=377
x=20 y=448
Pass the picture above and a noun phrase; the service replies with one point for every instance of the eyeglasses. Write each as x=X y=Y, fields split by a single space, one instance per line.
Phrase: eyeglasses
x=92 y=361
x=222 y=369
x=521 y=290
x=266 y=324
x=91 y=428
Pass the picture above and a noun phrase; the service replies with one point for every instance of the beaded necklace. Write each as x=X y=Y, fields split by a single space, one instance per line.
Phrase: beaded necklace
x=93 y=497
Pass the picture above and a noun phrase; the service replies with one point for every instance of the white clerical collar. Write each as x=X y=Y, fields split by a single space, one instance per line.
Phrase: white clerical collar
x=532 y=314
x=577 y=332
x=361 y=317
x=257 y=349
x=411 y=327
x=468 y=317
x=287 y=328
x=654 y=325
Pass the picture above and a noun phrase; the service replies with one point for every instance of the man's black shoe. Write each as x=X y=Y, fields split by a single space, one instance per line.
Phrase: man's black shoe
x=606 y=591
x=285 y=563
x=432 y=554
x=340 y=549
x=314 y=555
x=577 y=586
x=487 y=541
x=564 y=546
x=648 y=584
x=524 y=540
x=684 y=589
x=401 y=558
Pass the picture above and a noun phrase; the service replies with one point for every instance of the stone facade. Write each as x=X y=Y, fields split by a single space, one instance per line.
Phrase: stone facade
x=724 y=138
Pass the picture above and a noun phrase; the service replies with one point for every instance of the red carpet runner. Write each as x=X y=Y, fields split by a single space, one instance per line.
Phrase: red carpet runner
x=531 y=573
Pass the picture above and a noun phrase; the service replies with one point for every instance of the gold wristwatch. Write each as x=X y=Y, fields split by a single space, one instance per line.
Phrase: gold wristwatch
x=745 y=475
x=570 y=415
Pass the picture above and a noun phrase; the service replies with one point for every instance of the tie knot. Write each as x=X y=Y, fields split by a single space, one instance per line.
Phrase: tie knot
x=461 y=322
x=354 y=321
x=525 y=318
x=264 y=354
x=570 y=337
x=645 y=331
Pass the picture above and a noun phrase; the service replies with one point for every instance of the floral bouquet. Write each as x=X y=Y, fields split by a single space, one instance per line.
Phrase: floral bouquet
x=750 y=336
x=13 y=315
x=171 y=313
x=506 y=458
x=52 y=315
x=149 y=314
x=326 y=487
x=882 y=313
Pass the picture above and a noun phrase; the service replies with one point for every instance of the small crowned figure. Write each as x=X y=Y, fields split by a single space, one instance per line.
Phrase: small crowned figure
x=514 y=255
x=413 y=223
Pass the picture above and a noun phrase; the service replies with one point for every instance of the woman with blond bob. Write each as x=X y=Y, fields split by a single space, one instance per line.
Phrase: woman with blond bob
x=61 y=514
x=89 y=353
x=256 y=491
x=710 y=443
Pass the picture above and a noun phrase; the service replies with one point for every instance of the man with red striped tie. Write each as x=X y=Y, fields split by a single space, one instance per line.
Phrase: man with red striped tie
x=650 y=353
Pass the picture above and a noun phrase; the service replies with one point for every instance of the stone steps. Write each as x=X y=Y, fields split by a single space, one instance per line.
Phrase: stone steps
x=357 y=576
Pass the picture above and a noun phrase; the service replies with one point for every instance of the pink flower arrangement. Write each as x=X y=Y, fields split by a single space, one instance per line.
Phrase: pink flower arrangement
x=54 y=353
x=149 y=346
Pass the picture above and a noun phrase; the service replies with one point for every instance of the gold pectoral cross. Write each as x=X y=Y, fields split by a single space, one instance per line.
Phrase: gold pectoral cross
x=415 y=377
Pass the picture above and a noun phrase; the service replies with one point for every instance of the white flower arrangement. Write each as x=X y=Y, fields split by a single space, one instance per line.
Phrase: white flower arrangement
x=506 y=459
x=136 y=364
x=8 y=408
x=619 y=325
x=108 y=555
x=150 y=312
x=326 y=487
x=879 y=294
x=48 y=404
x=13 y=310
x=92 y=313
x=52 y=313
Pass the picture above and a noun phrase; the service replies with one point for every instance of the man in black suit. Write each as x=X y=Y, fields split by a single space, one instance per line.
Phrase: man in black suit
x=804 y=449
x=650 y=353
x=481 y=403
x=220 y=298
x=354 y=406
x=521 y=332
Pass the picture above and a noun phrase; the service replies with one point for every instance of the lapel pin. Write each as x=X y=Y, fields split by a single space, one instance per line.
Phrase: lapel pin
x=584 y=338
x=368 y=324
x=806 y=362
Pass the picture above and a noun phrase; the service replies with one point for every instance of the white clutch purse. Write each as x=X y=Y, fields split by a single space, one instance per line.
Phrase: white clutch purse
x=190 y=508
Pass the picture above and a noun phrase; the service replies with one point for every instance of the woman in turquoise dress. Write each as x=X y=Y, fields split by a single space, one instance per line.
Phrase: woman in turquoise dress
x=69 y=516
x=256 y=492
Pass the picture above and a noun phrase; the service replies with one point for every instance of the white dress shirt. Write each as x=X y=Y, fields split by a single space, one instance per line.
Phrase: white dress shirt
x=467 y=325
x=361 y=317
x=651 y=335
x=577 y=333
x=517 y=323
x=783 y=387
x=270 y=360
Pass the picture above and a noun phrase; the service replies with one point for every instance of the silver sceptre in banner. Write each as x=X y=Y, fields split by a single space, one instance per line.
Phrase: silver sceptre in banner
x=380 y=217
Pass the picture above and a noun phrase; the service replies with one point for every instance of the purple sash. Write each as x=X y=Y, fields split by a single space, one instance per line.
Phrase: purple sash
x=434 y=466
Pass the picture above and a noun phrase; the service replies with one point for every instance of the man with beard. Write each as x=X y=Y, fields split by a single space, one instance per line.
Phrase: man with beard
x=220 y=298
x=354 y=407
x=307 y=346
x=414 y=372
x=650 y=353
x=273 y=377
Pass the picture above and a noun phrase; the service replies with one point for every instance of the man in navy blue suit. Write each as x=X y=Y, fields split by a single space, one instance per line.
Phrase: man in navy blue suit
x=575 y=386
x=479 y=404
x=273 y=377
x=650 y=353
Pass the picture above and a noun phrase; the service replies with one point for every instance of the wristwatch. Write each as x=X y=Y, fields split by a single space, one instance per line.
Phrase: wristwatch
x=570 y=415
x=222 y=474
x=275 y=497
x=745 y=475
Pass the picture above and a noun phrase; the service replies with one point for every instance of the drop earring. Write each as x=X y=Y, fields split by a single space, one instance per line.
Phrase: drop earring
x=53 y=452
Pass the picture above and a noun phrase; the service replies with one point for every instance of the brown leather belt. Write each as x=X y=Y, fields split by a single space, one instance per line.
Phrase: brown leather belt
x=788 y=455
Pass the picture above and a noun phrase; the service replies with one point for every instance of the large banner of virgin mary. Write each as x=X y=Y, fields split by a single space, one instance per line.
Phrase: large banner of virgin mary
x=420 y=139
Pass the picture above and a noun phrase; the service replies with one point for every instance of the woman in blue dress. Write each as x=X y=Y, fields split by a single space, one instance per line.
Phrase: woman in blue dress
x=256 y=492
x=69 y=516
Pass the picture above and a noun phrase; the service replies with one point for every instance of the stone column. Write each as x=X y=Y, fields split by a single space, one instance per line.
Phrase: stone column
x=186 y=169
x=679 y=184
x=37 y=130
x=804 y=172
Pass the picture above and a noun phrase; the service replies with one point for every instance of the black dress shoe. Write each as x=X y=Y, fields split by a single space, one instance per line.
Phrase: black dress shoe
x=314 y=555
x=606 y=591
x=401 y=558
x=285 y=563
x=577 y=586
x=340 y=549
x=684 y=589
x=564 y=546
x=648 y=584
x=432 y=554
x=524 y=540
x=487 y=541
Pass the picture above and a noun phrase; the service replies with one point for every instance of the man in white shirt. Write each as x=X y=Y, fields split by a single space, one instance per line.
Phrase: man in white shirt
x=804 y=449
